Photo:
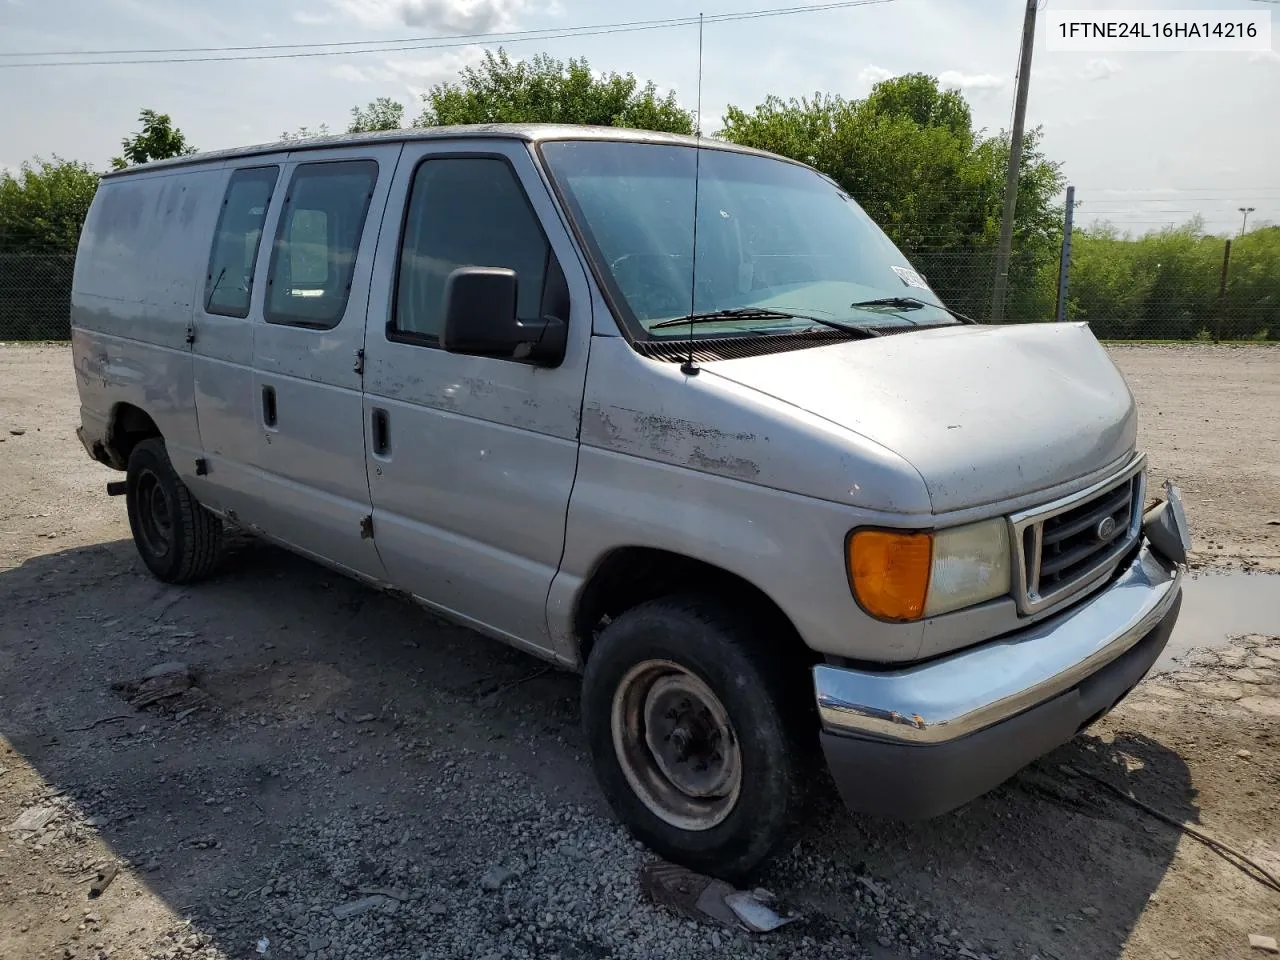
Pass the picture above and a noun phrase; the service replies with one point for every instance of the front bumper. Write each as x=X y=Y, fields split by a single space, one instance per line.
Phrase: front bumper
x=919 y=741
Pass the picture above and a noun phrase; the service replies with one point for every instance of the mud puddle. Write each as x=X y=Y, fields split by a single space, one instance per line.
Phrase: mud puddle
x=1219 y=605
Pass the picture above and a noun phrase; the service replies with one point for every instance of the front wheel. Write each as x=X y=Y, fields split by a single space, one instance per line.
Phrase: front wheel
x=685 y=707
x=176 y=537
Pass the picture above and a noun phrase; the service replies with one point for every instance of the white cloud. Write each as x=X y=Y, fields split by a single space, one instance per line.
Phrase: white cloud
x=415 y=77
x=870 y=75
x=308 y=19
x=970 y=81
x=354 y=74
x=1067 y=73
x=1099 y=68
x=455 y=16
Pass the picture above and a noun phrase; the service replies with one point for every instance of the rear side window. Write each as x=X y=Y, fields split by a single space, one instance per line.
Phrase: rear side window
x=317 y=242
x=464 y=212
x=229 y=283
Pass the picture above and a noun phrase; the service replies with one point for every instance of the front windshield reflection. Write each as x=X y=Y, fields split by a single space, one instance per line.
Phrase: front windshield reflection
x=771 y=235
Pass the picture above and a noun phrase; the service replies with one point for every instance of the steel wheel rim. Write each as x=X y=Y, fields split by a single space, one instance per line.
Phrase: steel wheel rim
x=676 y=746
x=155 y=513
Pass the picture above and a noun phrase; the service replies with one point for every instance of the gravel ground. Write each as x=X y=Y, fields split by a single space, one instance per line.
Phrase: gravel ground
x=348 y=777
x=1209 y=419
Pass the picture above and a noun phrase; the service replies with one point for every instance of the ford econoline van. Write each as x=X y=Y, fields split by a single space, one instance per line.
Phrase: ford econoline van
x=669 y=412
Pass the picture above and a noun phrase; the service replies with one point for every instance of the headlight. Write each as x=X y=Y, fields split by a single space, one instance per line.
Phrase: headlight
x=906 y=576
x=970 y=565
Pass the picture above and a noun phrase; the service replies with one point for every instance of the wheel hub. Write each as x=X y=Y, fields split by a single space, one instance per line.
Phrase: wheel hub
x=684 y=736
x=676 y=746
x=155 y=513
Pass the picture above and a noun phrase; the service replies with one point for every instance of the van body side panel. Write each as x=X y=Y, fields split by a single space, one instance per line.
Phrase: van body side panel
x=138 y=266
x=222 y=357
x=312 y=456
x=470 y=494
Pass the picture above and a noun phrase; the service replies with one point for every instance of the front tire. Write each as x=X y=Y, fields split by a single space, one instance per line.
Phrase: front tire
x=176 y=537
x=685 y=705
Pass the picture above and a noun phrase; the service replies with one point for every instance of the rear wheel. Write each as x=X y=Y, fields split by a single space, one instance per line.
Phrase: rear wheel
x=176 y=537
x=685 y=704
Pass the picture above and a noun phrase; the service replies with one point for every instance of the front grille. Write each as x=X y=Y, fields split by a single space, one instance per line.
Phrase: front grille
x=1072 y=544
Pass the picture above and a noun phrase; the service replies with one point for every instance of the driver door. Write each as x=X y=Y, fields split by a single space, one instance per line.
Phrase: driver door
x=471 y=459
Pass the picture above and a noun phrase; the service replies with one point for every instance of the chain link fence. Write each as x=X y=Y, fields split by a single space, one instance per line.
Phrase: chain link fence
x=1172 y=291
x=35 y=296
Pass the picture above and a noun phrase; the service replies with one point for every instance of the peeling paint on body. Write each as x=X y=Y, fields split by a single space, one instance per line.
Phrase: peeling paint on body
x=738 y=467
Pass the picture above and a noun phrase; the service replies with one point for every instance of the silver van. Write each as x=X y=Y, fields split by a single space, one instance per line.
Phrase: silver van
x=669 y=412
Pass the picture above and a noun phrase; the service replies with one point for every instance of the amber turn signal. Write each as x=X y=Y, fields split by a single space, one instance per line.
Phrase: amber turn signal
x=889 y=572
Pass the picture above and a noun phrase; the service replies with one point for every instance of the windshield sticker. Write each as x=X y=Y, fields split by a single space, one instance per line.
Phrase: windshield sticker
x=910 y=277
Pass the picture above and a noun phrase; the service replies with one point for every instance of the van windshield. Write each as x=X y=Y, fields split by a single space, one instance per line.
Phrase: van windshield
x=770 y=235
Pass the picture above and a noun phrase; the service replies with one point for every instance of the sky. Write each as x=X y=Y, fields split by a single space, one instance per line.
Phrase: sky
x=1148 y=139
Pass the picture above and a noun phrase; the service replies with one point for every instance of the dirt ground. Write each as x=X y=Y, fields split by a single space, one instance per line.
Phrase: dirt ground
x=1209 y=419
x=350 y=777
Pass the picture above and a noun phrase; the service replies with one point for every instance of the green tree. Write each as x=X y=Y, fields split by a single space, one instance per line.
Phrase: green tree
x=1165 y=284
x=381 y=114
x=909 y=155
x=917 y=97
x=546 y=90
x=43 y=207
x=305 y=133
x=158 y=139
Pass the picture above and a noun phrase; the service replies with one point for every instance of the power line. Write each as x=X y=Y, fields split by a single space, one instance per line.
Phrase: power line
x=318 y=43
x=418 y=43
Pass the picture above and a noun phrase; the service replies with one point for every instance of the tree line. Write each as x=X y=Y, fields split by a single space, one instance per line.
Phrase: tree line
x=908 y=152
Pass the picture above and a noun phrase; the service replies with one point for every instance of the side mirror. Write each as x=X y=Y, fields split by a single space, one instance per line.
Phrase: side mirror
x=480 y=319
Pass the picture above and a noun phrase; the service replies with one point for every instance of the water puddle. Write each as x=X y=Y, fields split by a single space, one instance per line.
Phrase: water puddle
x=1217 y=606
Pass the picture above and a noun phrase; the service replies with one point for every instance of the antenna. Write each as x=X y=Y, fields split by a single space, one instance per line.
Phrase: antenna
x=688 y=368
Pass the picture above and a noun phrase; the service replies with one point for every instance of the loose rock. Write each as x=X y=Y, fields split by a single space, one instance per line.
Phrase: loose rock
x=357 y=907
x=32 y=819
x=495 y=878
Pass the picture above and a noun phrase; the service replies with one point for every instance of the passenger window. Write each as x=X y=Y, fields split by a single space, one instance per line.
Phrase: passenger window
x=318 y=241
x=308 y=249
x=464 y=212
x=229 y=282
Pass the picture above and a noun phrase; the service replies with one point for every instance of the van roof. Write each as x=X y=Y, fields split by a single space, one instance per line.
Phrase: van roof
x=528 y=132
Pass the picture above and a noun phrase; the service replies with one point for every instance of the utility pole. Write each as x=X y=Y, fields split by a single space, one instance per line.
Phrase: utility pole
x=1222 y=291
x=1015 y=162
x=1064 y=265
x=1246 y=211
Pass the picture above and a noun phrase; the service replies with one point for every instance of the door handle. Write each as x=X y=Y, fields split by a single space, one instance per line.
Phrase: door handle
x=269 y=406
x=381 y=432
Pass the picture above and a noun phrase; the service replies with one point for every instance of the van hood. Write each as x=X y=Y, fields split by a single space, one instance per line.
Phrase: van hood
x=984 y=413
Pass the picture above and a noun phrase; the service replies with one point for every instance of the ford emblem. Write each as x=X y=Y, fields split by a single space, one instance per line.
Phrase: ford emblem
x=1105 y=529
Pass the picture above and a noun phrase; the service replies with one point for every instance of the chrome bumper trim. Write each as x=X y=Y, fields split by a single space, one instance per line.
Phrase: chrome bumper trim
x=953 y=696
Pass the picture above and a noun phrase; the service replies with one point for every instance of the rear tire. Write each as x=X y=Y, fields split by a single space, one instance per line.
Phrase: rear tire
x=686 y=703
x=177 y=538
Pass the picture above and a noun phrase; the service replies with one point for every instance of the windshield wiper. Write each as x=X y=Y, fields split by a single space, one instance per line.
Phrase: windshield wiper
x=909 y=303
x=761 y=313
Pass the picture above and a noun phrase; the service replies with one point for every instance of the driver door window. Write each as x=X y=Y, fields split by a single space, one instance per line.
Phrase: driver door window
x=464 y=212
